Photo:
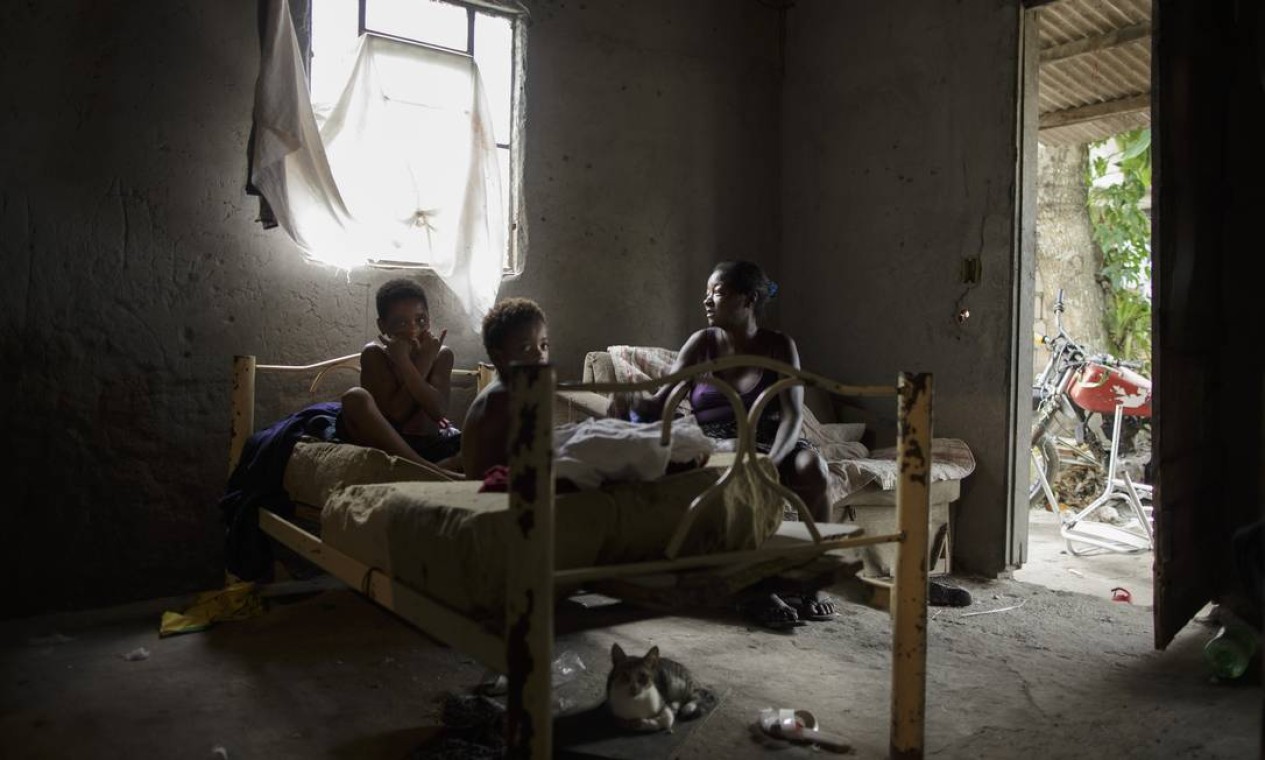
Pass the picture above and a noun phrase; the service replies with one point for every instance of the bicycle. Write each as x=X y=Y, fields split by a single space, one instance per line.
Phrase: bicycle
x=1075 y=386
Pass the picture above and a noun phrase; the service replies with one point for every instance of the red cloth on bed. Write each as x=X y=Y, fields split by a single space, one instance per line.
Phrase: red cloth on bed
x=496 y=480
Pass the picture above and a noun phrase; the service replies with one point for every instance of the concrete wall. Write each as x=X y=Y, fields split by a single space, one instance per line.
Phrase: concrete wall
x=652 y=153
x=134 y=269
x=899 y=161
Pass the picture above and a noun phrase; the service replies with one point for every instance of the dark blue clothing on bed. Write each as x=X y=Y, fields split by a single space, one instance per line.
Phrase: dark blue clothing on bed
x=435 y=447
x=257 y=482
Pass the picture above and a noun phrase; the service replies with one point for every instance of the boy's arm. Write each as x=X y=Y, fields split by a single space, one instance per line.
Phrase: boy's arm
x=485 y=434
x=433 y=361
x=440 y=378
x=378 y=376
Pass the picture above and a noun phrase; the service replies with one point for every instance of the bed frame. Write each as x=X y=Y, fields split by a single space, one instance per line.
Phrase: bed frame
x=523 y=649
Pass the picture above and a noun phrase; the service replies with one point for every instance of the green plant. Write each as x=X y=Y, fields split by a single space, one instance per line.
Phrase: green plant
x=1123 y=231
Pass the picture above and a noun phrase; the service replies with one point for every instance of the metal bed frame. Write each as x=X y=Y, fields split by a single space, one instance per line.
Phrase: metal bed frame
x=523 y=648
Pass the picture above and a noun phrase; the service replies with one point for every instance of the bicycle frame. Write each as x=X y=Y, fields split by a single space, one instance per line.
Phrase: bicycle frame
x=1066 y=359
x=1076 y=529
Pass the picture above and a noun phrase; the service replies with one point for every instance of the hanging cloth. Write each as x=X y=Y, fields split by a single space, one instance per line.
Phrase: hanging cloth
x=401 y=167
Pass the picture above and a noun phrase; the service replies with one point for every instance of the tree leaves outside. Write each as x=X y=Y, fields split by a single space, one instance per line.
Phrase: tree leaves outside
x=1122 y=230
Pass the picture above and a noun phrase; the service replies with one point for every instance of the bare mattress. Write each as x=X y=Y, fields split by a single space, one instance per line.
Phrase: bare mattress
x=448 y=541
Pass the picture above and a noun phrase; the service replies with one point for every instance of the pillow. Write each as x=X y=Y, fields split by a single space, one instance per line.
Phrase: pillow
x=577 y=406
x=844 y=432
x=837 y=441
x=825 y=433
x=598 y=367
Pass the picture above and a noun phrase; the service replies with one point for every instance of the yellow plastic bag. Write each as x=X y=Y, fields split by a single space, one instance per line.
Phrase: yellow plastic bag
x=237 y=601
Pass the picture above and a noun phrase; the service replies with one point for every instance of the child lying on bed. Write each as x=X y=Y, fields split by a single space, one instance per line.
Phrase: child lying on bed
x=405 y=376
x=513 y=331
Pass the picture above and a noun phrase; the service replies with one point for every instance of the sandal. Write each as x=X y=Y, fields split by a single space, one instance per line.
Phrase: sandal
x=812 y=605
x=799 y=727
x=769 y=611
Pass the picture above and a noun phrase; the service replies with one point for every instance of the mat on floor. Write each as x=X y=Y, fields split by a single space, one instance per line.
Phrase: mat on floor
x=473 y=724
x=593 y=733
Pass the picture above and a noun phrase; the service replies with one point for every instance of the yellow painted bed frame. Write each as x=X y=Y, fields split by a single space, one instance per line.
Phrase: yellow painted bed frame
x=524 y=648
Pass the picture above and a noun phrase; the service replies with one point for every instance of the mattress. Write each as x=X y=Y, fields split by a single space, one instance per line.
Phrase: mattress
x=873 y=495
x=448 y=541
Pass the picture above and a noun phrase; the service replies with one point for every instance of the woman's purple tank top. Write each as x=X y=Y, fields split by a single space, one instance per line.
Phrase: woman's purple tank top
x=710 y=405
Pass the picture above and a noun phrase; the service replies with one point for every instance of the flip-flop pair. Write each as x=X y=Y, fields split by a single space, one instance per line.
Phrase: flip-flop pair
x=811 y=605
x=769 y=611
x=779 y=612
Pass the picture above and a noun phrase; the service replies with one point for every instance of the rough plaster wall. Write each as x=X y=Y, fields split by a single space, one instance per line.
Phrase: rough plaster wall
x=899 y=161
x=134 y=270
x=652 y=153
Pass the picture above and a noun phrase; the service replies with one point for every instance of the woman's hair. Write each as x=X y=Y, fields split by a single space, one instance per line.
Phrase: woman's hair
x=398 y=290
x=748 y=279
x=507 y=316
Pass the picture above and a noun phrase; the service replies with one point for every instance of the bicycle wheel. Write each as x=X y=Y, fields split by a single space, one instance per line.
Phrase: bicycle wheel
x=1045 y=458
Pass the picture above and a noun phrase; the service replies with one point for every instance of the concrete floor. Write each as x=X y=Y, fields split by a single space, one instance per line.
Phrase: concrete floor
x=331 y=675
x=1051 y=565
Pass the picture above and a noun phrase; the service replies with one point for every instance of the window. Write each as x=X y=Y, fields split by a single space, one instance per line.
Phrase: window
x=487 y=35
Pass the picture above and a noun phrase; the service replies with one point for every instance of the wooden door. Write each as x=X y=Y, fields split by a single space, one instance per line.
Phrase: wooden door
x=1208 y=110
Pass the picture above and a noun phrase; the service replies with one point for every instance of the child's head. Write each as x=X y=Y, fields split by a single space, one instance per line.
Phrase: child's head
x=402 y=309
x=515 y=331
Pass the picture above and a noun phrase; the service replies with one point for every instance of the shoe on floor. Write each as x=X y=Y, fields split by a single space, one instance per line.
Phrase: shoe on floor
x=942 y=594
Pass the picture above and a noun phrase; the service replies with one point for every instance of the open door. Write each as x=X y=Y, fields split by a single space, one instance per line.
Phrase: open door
x=1209 y=117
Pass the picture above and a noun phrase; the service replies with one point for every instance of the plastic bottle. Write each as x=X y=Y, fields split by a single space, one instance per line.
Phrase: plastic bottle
x=1231 y=650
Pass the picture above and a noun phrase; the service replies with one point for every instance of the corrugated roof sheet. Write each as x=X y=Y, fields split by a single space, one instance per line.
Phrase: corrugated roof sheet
x=1099 y=76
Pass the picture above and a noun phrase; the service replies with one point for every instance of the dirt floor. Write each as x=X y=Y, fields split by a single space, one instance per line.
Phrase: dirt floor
x=329 y=674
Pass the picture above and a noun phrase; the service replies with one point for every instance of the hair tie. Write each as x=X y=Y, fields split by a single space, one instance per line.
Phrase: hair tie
x=772 y=289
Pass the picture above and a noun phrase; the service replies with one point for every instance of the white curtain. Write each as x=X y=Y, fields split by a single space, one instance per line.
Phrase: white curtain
x=401 y=167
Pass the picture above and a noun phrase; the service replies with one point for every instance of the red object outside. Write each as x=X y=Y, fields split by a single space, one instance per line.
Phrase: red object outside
x=1098 y=388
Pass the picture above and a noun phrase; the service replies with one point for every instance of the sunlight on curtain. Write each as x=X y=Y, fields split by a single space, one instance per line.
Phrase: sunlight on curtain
x=400 y=166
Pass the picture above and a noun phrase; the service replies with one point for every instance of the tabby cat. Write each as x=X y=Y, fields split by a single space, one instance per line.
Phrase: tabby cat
x=647 y=693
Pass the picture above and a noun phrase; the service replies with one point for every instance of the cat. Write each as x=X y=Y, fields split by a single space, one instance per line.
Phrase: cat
x=647 y=693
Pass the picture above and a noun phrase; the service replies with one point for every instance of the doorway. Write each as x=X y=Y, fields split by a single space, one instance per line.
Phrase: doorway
x=1089 y=497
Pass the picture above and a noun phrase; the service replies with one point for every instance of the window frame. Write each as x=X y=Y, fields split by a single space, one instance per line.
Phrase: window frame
x=511 y=261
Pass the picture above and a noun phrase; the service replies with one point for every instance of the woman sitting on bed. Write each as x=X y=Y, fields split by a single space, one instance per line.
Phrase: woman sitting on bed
x=734 y=301
x=736 y=294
